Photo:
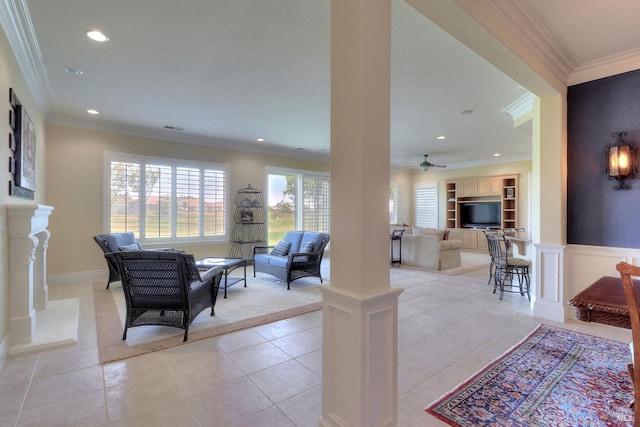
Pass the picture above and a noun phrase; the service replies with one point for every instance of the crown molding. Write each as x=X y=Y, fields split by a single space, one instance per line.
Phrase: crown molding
x=17 y=25
x=520 y=106
x=524 y=23
x=605 y=67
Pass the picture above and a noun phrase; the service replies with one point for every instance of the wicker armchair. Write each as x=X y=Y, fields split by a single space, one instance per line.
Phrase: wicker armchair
x=164 y=288
x=115 y=242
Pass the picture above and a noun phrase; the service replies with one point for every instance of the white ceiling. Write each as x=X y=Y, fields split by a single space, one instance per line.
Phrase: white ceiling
x=228 y=72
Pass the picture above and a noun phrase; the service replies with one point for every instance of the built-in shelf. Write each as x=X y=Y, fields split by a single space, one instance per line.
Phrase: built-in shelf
x=503 y=189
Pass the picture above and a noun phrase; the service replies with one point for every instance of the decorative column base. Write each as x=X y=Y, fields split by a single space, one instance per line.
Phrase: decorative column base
x=360 y=358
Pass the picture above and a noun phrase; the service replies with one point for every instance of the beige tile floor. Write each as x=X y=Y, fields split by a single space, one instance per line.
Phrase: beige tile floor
x=270 y=375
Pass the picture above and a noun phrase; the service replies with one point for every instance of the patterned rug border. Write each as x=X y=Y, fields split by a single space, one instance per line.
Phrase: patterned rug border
x=109 y=328
x=490 y=366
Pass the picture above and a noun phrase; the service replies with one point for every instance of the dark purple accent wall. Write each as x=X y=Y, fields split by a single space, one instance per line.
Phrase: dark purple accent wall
x=596 y=213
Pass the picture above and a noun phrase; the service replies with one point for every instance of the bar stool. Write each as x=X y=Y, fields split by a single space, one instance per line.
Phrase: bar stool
x=505 y=267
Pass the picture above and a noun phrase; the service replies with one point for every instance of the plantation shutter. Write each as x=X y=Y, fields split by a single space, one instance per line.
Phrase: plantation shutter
x=393 y=204
x=427 y=205
x=124 y=197
x=215 y=195
x=317 y=205
x=158 y=206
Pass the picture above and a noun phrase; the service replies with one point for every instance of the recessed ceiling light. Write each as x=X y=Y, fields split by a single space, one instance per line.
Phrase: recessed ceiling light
x=464 y=112
x=496 y=155
x=442 y=137
x=93 y=112
x=97 y=36
x=72 y=70
x=260 y=139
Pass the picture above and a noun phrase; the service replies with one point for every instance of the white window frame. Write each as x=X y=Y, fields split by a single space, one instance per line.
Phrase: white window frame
x=425 y=219
x=300 y=176
x=174 y=164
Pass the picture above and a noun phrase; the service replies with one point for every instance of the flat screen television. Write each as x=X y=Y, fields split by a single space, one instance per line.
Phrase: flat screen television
x=480 y=214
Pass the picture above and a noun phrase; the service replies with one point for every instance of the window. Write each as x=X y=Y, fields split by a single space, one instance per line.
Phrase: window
x=393 y=203
x=427 y=205
x=166 y=200
x=285 y=189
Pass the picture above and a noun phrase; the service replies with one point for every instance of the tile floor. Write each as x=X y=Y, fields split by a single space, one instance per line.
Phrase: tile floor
x=270 y=375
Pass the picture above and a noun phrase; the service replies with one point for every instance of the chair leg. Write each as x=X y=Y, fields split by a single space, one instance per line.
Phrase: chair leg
x=124 y=334
x=186 y=333
x=491 y=272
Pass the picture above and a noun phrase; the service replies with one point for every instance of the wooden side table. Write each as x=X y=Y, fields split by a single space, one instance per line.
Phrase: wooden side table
x=604 y=302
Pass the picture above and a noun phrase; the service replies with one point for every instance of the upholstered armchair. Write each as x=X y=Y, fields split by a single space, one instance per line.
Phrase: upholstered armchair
x=164 y=288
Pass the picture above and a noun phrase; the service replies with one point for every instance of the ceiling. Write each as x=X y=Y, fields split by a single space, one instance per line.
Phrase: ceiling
x=224 y=73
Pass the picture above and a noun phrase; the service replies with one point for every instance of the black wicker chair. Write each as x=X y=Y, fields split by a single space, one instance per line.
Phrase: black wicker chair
x=164 y=288
x=114 y=242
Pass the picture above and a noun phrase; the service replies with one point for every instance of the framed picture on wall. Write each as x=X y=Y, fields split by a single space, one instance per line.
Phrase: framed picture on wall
x=26 y=151
x=246 y=216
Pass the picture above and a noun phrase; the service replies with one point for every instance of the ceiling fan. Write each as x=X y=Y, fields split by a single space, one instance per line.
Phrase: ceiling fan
x=426 y=165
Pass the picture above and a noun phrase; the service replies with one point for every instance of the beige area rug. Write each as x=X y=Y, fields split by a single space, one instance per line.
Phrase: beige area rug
x=262 y=301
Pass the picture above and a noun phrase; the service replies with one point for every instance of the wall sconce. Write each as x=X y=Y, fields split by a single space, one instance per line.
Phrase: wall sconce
x=620 y=162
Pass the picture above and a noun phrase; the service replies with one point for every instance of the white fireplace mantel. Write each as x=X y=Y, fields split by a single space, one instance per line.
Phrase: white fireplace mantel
x=34 y=322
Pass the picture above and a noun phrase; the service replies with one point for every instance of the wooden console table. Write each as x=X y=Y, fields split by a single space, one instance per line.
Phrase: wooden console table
x=604 y=302
x=519 y=238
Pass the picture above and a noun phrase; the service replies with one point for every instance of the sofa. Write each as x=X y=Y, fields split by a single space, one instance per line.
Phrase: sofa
x=297 y=255
x=427 y=248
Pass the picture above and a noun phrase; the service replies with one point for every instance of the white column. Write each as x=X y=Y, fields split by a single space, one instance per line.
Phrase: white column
x=359 y=308
x=549 y=224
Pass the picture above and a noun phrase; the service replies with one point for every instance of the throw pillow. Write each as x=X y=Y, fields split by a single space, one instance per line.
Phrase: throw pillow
x=127 y=248
x=281 y=248
x=305 y=247
x=445 y=236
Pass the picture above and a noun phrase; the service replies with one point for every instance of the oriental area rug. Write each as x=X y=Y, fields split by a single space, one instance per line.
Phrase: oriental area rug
x=554 y=377
x=263 y=301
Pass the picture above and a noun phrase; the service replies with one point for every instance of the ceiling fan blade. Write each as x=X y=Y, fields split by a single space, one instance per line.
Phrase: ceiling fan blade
x=426 y=165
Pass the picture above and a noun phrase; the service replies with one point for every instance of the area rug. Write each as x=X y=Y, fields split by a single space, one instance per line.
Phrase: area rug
x=554 y=377
x=262 y=301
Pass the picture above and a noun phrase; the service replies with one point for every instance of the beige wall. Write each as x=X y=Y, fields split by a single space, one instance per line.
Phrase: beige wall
x=75 y=160
x=11 y=77
x=402 y=179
